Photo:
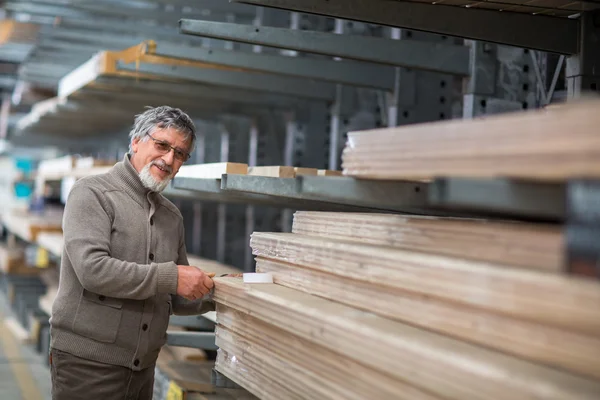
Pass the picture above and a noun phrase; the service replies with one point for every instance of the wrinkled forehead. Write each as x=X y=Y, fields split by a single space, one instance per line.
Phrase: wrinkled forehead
x=174 y=137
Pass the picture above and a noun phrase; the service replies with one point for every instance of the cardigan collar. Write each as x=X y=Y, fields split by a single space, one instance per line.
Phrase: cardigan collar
x=129 y=178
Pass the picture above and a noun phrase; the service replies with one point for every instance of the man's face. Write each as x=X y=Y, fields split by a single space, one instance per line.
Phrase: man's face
x=151 y=158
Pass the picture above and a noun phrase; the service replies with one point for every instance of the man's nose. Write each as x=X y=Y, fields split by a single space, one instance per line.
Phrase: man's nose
x=169 y=157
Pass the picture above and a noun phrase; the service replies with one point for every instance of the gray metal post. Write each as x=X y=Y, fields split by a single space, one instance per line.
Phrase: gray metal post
x=583 y=69
x=250 y=221
x=335 y=123
x=503 y=79
x=222 y=209
x=197 y=225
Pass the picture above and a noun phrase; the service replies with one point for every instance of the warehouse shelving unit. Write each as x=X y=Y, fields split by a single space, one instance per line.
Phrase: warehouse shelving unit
x=286 y=79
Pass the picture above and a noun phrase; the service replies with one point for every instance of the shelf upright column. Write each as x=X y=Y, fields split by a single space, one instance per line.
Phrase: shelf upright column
x=583 y=68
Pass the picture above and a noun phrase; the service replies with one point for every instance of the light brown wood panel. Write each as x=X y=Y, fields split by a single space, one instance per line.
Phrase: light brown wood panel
x=320 y=371
x=438 y=364
x=275 y=171
x=262 y=382
x=306 y=171
x=528 y=144
x=538 y=343
x=556 y=300
x=212 y=266
x=533 y=246
x=212 y=170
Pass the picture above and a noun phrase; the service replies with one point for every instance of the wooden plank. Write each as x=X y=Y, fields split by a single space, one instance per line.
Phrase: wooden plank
x=305 y=171
x=87 y=163
x=534 y=246
x=12 y=31
x=304 y=367
x=578 y=353
x=560 y=301
x=329 y=172
x=529 y=144
x=212 y=266
x=105 y=64
x=273 y=171
x=212 y=171
x=437 y=364
x=255 y=381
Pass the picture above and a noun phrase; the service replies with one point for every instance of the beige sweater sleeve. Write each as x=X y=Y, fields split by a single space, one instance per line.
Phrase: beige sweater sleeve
x=87 y=228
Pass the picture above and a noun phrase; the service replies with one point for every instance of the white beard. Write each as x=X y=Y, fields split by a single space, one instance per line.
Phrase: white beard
x=150 y=182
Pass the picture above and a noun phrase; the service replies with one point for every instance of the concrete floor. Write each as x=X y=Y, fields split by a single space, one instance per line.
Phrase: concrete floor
x=23 y=374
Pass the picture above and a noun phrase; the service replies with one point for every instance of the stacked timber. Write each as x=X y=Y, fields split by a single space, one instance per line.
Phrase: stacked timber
x=547 y=144
x=379 y=306
x=358 y=313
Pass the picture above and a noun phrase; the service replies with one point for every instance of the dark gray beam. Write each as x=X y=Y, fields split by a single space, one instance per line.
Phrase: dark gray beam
x=429 y=56
x=116 y=26
x=344 y=72
x=546 y=201
x=46 y=9
x=164 y=91
x=558 y=35
x=196 y=340
x=89 y=11
x=293 y=87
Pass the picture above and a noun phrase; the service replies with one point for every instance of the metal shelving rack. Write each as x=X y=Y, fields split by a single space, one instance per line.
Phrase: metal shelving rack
x=402 y=62
x=574 y=204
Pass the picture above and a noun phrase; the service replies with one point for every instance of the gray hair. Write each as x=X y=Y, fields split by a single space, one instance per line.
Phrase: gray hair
x=163 y=117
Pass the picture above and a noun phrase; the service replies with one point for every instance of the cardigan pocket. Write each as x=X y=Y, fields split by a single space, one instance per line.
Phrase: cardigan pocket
x=98 y=317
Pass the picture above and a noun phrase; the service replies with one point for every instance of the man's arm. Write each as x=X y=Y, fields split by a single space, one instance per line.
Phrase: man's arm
x=182 y=306
x=87 y=229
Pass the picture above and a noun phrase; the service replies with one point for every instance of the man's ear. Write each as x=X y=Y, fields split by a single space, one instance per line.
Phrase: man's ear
x=134 y=144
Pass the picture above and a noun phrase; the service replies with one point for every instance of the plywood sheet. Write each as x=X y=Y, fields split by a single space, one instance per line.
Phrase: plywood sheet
x=302 y=366
x=533 y=246
x=434 y=363
x=561 y=301
x=212 y=266
x=528 y=144
x=212 y=170
x=578 y=353
x=276 y=171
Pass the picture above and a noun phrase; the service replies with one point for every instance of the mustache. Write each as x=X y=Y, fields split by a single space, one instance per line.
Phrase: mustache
x=160 y=163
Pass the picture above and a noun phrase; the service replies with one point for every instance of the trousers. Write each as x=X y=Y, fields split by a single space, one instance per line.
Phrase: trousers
x=75 y=378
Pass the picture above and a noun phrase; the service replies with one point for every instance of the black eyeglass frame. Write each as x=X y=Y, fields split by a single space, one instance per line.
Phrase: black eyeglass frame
x=175 y=149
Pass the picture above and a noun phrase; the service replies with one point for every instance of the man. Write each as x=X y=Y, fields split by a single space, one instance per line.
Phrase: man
x=124 y=268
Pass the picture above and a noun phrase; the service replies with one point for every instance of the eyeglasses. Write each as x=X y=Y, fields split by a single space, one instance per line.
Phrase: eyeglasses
x=164 y=147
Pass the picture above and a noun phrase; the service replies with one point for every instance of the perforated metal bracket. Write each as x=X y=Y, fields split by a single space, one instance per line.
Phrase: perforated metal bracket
x=221 y=381
x=583 y=228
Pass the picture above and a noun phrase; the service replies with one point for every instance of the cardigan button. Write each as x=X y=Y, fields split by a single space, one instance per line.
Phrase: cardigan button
x=136 y=362
x=101 y=297
x=151 y=221
x=151 y=257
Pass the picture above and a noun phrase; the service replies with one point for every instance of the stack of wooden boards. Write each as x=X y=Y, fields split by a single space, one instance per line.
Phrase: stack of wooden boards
x=217 y=170
x=554 y=143
x=368 y=306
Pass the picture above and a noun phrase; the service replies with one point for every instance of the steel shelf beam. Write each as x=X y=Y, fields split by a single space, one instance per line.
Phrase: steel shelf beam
x=192 y=321
x=216 y=190
x=385 y=195
x=365 y=195
x=293 y=87
x=428 y=56
x=552 y=34
x=529 y=200
x=344 y=72
x=195 y=340
x=196 y=92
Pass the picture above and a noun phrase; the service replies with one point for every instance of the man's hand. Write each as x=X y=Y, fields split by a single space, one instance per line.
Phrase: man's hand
x=192 y=282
